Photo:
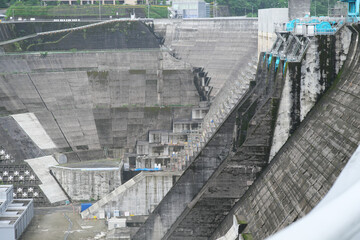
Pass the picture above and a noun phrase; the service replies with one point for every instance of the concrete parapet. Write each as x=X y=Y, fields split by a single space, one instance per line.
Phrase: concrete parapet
x=87 y=183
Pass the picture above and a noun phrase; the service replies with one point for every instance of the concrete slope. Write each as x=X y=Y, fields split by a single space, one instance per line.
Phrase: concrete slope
x=49 y=185
x=256 y=119
x=222 y=46
x=138 y=196
x=87 y=101
x=341 y=203
x=31 y=125
x=184 y=195
x=308 y=164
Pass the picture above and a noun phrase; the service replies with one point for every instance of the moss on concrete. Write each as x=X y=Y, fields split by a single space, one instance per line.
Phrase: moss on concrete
x=113 y=35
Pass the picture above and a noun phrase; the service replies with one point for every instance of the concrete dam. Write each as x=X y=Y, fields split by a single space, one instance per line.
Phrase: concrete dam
x=93 y=102
x=272 y=135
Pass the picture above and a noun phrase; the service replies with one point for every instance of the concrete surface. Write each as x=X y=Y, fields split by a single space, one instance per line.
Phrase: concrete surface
x=306 y=83
x=299 y=8
x=31 y=125
x=308 y=164
x=341 y=203
x=49 y=185
x=88 y=183
x=138 y=196
x=88 y=101
x=236 y=171
x=50 y=223
x=222 y=46
x=267 y=20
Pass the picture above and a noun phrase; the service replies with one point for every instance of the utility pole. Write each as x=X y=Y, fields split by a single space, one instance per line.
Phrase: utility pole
x=328 y=8
x=315 y=9
x=252 y=11
x=148 y=9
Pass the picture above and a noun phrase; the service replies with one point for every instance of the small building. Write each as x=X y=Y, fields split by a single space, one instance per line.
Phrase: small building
x=190 y=9
x=15 y=214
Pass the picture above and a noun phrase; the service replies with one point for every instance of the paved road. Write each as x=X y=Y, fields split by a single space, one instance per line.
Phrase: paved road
x=51 y=224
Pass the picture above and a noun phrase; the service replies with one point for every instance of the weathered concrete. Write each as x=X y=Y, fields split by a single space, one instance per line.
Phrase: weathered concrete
x=87 y=183
x=191 y=182
x=299 y=8
x=31 y=125
x=254 y=128
x=49 y=185
x=267 y=20
x=88 y=101
x=111 y=34
x=308 y=164
x=20 y=29
x=222 y=46
x=307 y=82
x=138 y=196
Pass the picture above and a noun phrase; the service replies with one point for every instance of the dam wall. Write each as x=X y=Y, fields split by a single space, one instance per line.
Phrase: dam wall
x=257 y=118
x=193 y=199
x=84 y=104
x=222 y=46
x=310 y=161
x=307 y=81
x=87 y=101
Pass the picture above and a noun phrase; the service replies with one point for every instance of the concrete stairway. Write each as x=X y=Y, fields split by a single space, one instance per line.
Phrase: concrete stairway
x=217 y=144
x=309 y=163
x=137 y=196
x=254 y=127
x=225 y=102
